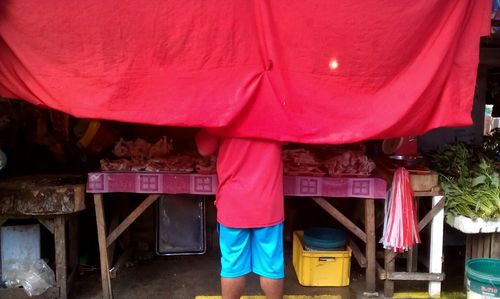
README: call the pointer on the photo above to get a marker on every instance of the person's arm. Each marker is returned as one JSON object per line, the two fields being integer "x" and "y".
{"x": 206, "y": 142}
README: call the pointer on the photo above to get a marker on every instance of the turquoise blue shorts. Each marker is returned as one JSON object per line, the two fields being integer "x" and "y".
{"x": 258, "y": 250}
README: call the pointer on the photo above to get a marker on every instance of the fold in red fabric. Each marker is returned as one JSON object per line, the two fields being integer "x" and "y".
{"x": 305, "y": 71}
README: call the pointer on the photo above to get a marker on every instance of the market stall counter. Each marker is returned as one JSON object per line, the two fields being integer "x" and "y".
{"x": 53, "y": 200}
{"x": 153, "y": 184}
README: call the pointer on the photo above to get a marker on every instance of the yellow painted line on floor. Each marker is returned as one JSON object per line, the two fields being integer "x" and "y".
{"x": 285, "y": 297}
{"x": 421, "y": 295}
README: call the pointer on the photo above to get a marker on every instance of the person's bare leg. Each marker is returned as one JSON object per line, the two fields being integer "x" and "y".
{"x": 232, "y": 288}
{"x": 272, "y": 288}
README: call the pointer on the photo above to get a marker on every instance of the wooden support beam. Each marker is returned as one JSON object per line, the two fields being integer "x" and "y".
{"x": 381, "y": 272}
{"x": 103, "y": 253}
{"x": 48, "y": 223}
{"x": 358, "y": 255}
{"x": 389, "y": 266}
{"x": 415, "y": 276}
{"x": 495, "y": 245}
{"x": 340, "y": 217}
{"x": 412, "y": 259}
{"x": 431, "y": 214}
{"x": 371, "y": 244}
{"x": 487, "y": 245}
{"x": 61, "y": 256}
{"x": 130, "y": 219}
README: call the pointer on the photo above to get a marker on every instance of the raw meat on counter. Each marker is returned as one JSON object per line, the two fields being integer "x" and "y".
{"x": 349, "y": 163}
{"x": 185, "y": 163}
{"x": 141, "y": 149}
{"x": 301, "y": 162}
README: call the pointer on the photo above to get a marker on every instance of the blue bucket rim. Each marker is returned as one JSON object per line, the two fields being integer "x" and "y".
{"x": 480, "y": 276}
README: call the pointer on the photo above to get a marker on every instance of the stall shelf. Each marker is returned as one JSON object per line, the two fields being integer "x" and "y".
{"x": 154, "y": 184}
{"x": 53, "y": 200}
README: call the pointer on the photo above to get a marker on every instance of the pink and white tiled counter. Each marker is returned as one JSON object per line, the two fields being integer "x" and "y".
{"x": 192, "y": 183}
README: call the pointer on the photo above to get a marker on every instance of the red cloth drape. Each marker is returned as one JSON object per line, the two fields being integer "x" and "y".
{"x": 307, "y": 71}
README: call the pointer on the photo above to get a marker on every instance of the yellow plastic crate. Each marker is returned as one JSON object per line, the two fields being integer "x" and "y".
{"x": 320, "y": 268}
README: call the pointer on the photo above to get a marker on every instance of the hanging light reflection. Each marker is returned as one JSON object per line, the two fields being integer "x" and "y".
{"x": 334, "y": 64}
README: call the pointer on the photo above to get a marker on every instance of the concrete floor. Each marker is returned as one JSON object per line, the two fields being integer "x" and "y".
{"x": 183, "y": 277}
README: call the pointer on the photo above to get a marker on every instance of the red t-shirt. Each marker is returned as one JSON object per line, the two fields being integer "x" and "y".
{"x": 250, "y": 174}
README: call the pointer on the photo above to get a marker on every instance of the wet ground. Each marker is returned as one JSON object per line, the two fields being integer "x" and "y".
{"x": 182, "y": 277}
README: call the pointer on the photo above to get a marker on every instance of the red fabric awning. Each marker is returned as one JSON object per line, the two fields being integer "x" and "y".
{"x": 306, "y": 71}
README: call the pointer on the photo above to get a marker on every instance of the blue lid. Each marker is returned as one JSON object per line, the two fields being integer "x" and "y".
{"x": 324, "y": 238}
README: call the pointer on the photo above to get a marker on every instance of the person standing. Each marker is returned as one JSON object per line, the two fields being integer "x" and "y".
{"x": 250, "y": 211}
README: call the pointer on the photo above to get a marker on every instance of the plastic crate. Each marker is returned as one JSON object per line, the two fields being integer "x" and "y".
{"x": 320, "y": 268}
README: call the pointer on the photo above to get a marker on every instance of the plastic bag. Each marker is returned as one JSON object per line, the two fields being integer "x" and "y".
{"x": 34, "y": 276}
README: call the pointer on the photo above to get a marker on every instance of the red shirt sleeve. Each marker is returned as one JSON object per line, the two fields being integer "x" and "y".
{"x": 206, "y": 142}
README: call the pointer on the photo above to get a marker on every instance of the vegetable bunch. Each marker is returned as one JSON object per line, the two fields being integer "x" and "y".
{"x": 470, "y": 181}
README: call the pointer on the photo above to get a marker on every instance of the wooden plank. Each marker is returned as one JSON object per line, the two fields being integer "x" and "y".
{"x": 424, "y": 182}
{"x": 61, "y": 258}
{"x": 48, "y": 223}
{"x": 103, "y": 253}
{"x": 358, "y": 255}
{"x": 389, "y": 266}
{"x": 436, "y": 247}
{"x": 474, "y": 247}
{"x": 431, "y": 214}
{"x": 42, "y": 195}
{"x": 340, "y": 217}
{"x": 480, "y": 245}
{"x": 131, "y": 218}
{"x": 370, "y": 248}
{"x": 411, "y": 259}
{"x": 495, "y": 245}
{"x": 433, "y": 192}
{"x": 18, "y": 293}
{"x": 415, "y": 276}
{"x": 487, "y": 245}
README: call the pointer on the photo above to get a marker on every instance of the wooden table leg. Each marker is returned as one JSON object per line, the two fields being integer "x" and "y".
{"x": 103, "y": 252}
{"x": 412, "y": 259}
{"x": 436, "y": 250}
{"x": 61, "y": 259}
{"x": 390, "y": 267}
{"x": 371, "y": 287}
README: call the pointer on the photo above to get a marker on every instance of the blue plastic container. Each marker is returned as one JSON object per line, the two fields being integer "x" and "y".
{"x": 324, "y": 238}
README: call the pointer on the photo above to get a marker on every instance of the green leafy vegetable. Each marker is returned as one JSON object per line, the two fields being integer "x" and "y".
{"x": 470, "y": 181}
